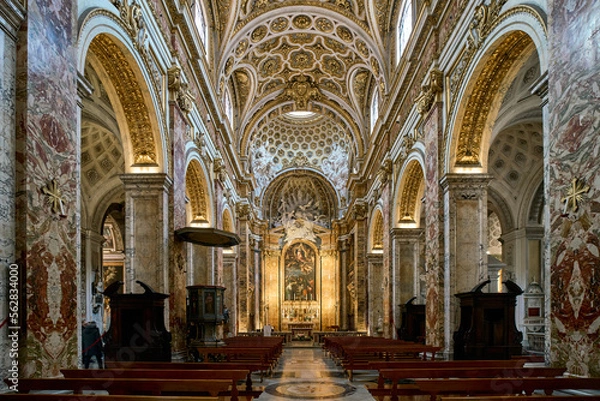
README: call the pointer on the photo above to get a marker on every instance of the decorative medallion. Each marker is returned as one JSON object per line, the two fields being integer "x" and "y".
{"x": 309, "y": 390}
{"x": 301, "y": 90}
{"x": 345, "y": 34}
{"x": 324, "y": 25}
{"x": 259, "y": 33}
{"x": 574, "y": 195}
{"x": 54, "y": 198}
{"x": 302, "y": 21}
{"x": 279, "y": 24}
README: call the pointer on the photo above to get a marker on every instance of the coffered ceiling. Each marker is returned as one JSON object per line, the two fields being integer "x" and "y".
{"x": 282, "y": 56}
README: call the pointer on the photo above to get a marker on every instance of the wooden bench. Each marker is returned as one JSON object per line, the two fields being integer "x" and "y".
{"x": 95, "y": 397}
{"x": 361, "y": 358}
{"x": 401, "y": 386}
{"x": 535, "y": 397}
{"x": 503, "y": 385}
{"x": 249, "y": 366}
{"x": 234, "y": 375}
{"x": 132, "y": 386}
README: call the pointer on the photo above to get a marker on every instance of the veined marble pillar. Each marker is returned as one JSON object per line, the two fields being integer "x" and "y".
{"x": 147, "y": 231}
{"x": 48, "y": 186}
{"x": 465, "y": 242}
{"x": 434, "y": 233}
{"x": 229, "y": 282}
{"x": 360, "y": 269}
{"x": 342, "y": 304}
{"x": 375, "y": 294}
{"x": 573, "y": 164}
{"x": 12, "y": 17}
{"x": 406, "y": 273}
{"x": 244, "y": 278}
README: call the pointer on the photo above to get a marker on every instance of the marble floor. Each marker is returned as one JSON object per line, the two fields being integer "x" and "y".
{"x": 304, "y": 372}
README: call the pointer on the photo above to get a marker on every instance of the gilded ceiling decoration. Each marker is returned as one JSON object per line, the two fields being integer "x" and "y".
{"x": 319, "y": 56}
{"x": 484, "y": 91}
{"x": 132, "y": 99}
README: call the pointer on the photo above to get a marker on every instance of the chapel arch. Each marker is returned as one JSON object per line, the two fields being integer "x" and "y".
{"x": 409, "y": 194}
{"x": 197, "y": 192}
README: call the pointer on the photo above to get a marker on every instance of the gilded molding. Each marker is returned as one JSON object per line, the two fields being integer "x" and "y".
{"x": 377, "y": 232}
{"x": 196, "y": 189}
{"x": 480, "y": 100}
{"x": 359, "y": 210}
{"x": 243, "y": 211}
{"x": 131, "y": 97}
{"x": 410, "y": 191}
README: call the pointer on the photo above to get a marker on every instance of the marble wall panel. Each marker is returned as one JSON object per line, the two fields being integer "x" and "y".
{"x": 7, "y": 182}
{"x": 574, "y": 144}
{"x": 47, "y": 154}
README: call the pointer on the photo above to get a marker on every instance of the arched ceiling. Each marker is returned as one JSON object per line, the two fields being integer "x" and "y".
{"x": 281, "y": 56}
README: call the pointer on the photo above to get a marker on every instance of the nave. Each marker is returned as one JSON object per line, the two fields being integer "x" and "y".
{"x": 305, "y": 372}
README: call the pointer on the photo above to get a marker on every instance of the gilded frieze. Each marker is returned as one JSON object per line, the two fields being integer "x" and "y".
{"x": 131, "y": 97}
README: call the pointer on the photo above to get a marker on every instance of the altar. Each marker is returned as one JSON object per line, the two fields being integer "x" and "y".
{"x": 301, "y": 329}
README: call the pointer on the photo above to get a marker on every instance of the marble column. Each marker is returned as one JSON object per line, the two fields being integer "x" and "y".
{"x": 573, "y": 164}
{"x": 407, "y": 251}
{"x": 229, "y": 282}
{"x": 434, "y": 233}
{"x": 244, "y": 277}
{"x": 342, "y": 303}
{"x": 375, "y": 294}
{"x": 178, "y": 127}
{"x": 465, "y": 242}
{"x": 147, "y": 231}
{"x": 48, "y": 237}
{"x": 12, "y": 17}
{"x": 360, "y": 268}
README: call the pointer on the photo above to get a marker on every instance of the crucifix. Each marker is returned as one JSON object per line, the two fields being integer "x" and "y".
{"x": 54, "y": 197}
{"x": 574, "y": 195}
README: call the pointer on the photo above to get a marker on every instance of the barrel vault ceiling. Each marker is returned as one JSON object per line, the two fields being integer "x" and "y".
{"x": 322, "y": 57}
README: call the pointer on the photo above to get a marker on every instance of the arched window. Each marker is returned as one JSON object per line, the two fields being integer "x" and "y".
{"x": 201, "y": 25}
{"x": 374, "y": 108}
{"x": 405, "y": 26}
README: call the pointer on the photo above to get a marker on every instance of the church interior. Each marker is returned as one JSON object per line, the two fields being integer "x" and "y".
{"x": 325, "y": 166}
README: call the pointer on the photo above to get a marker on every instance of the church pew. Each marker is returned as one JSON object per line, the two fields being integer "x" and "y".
{"x": 360, "y": 358}
{"x": 234, "y": 375}
{"x": 95, "y": 397}
{"x": 534, "y": 397}
{"x": 398, "y": 377}
{"x": 131, "y": 386}
{"x": 503, "y": 385}
{"x": 264, "y": 356}
{"x": 252, "y": 367}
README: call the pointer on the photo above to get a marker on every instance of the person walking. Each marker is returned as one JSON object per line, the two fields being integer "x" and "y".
{"x": 92, "y": 344}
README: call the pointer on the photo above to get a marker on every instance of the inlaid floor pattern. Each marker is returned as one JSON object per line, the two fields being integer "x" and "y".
{"x": 306, "y": 373}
